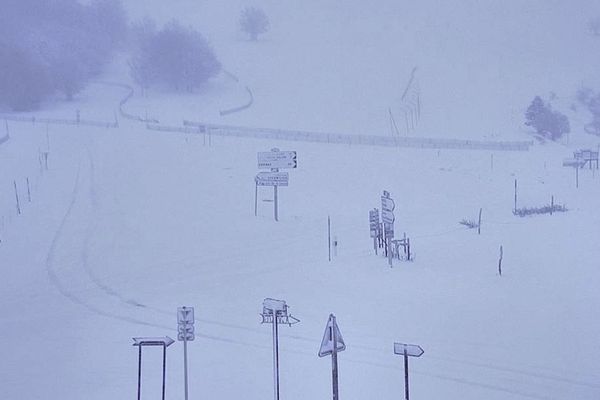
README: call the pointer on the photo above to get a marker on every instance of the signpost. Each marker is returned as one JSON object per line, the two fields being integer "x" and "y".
{"x": 387, "y": 215}
{"x": 165, "y": 342}
{"x": 332, "y": 343}
{"x": 407, "y": 350}
{"x": 185, "y": 333}
{"x": 276, "y": 312}
{"x": 374, "y": 227}
{"x": 273, "y": 160}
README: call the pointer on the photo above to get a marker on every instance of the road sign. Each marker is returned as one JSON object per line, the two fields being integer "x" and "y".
{"x": 387, "y": 204}
{"x": 153, "y": 341}
{"x": 277, "y": 159}
{"x": 272, "y": 179}
{"x": 388, "y": 217}
{"x": 185, "y": 315}
{"x": 328, "y": 337}
{"x": 412, "y": 350}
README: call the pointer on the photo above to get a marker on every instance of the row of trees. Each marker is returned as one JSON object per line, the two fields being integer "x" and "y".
{"x": 54, "y": 47}
{"x": 59, "y": 46}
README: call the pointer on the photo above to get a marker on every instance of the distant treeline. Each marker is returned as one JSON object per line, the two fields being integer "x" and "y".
{"x": 56, "y": 47}
{"x": 50, "y": 47}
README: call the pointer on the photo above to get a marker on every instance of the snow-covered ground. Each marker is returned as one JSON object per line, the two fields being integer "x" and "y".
{"x": 127, "y": 224}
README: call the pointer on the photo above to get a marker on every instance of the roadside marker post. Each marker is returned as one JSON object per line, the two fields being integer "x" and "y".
{"x": 387, "y": 215}
{"x": 407, "y": 350}
{"x": 276, "y": 312}
{"x": 332, "y": 343}
{"x": 165, "y": 342}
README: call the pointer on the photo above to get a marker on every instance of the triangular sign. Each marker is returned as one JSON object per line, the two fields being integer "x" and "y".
{"x": 331, "y": 330}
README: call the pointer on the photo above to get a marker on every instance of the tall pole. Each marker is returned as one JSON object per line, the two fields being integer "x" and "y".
{"x": 17, "y": 197}
{"x": 164, "y": 367}
{"x": 405, "y": 374}
{"x": 334, "y": 363}
{"x": 255, "y": 197}
{"x": 275, "y": 356}
{"x": 185, "y": 363}
{"x": 139, "y": 372}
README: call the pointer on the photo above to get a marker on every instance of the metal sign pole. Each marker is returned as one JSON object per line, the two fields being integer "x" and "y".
{"x": 334, "y": 362}
{"x": 275, "y": 203}
{"x": 164, "y": 367}
{"x": 255, "y": 197}
{"x": 275, "y": 356}
{"x": 185, "y": 369}
{"x": 329, "y": 236}
{"x": 139, "y": 372}
{"x": 405, "y": 374}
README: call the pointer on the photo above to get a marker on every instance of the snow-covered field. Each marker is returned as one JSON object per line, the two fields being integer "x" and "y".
{"x": 127, "y": 224}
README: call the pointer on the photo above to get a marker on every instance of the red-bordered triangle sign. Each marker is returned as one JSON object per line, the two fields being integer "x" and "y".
{"x": 331, "y": 330}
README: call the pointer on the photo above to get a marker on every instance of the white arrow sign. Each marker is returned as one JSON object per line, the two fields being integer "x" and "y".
{"x": 327, "y": 343}
{"x": 412, "y": 350}
{"x": 388, "y": 217}
{"x": 277, "y": 159}
{"x": 272, "y": 179}
{"x": 387, "y": 204}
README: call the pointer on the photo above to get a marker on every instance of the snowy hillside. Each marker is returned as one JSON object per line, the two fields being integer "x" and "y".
{"x": 128, "y": 224}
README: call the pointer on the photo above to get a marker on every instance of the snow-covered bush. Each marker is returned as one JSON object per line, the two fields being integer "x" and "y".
{"x": 178, "y": 57}
{"x": 546, "y": 122}
{"x": 254, "y": 22}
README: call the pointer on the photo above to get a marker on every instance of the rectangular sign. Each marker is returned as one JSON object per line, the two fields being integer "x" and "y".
{"x": 277, "y": 159}
{"x": 388, "y": 217}
{"x": 412, "y": 350}
{"x": 272, "y": 179}
{"x": 185, "y": 315}
{"x": 387, "y": 204}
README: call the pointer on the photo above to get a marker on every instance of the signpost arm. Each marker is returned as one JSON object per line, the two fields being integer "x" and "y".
{"x": 405, "y": 374}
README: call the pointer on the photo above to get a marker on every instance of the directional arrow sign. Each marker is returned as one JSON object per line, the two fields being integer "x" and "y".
{"x": 387, "y": 204}
{"x": 153, "y": 341}
{"x": 412, "y": 350}
{"x": 327, "y": 343}
{"x": 272, "y": 179}
{"x": 277, "y": 159}
{"x": 388, "y": 216}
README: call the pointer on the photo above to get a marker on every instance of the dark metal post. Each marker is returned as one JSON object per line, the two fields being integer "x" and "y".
{"x": 275, "y": 355}
{"x": 479, "y": 223}
{"x": 139, "y": 372}
{"x": 28, "y": 191}
{"x": 17, "y": 197}
{"x": 515, "y": 196}
{"x": 275, "y": 208}
{"x": 255, "y": 197}
{"x": 185, "y": 370}
{"x": 405, "y": 374}
{"x": 329, "y": 235}
{"x": 334, "y": 362}
{"x": 164, "y": 378}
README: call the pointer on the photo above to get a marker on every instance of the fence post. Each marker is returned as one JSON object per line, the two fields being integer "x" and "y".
{"x": 17, "y": 197}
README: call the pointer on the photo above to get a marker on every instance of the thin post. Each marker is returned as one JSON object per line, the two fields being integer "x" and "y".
{"x": 515, "y": 209}
{"x": 408, "y": 245}
{"x": 275, "y": 356}
{"x": 28, "y": 190}
{"x": 275, "y": 205}
{"x": 500, "y": 261}
{"x": 552, "y": 205}
{"x": 164, "y": 368}
{"x": 577, "y": 176}
{"x": 334, "y": 362}
{"x": 406, "y": 395}
{"x": 255, "y": 198}
{"x": 479, "y": 222}
{"x": 185, "y": 363}
{"x": 329, "y": 235}
{"x": 139, "y": 372}
{"x": 17, "y": 197}
{"x": 389, "y": 241}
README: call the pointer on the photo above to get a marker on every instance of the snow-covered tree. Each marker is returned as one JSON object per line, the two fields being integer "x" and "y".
{"x": 547, "y": 122}
{"x": 178, "y": 57}
{"x": 254, "y": 22}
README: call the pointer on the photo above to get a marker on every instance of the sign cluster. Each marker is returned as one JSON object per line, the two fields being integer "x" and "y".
{"x": 185, "y": 323}
{"x": 273, "y": 160}
{"x": 382, "y": 230}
